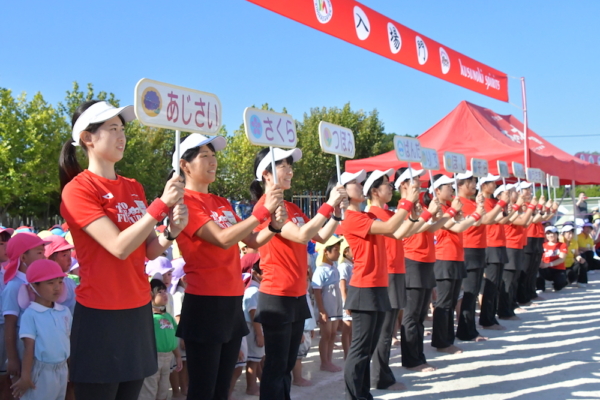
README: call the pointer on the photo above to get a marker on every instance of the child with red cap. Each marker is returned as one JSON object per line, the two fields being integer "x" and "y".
{"x": 22, "y": 250}
{"x": 59, "y": 251}
{"x": 45, "y": 329}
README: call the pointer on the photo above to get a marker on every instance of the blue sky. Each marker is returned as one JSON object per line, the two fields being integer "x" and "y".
{"x": 248, "y": 55}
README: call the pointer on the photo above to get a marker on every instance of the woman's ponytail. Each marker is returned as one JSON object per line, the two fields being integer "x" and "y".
{"x": 68, "y": 166}
{"x": 256, "y": 190}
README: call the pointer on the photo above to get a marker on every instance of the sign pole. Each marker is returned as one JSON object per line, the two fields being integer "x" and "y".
{"x": 273, "y": 165}
{"x": 339, "y": 176}
{"x": 410, "y": 173}
{"x": 548, "y": 186}
{"x": 431, "y": 180}
{"x": 177, "y": 151}
{"x": 519, "y": 183}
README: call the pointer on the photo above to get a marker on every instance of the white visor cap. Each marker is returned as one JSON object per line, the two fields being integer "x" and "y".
{"x": 197, "y": 140}
{"x": 374, "y": 176}
{"x": 349, "y": 177}
{"x": 503, "y": 188}
{"x": 406, "y": 176}
{"x": 279, "y": 155}
{"x": 442, "y": 180}
{"x": 99, "y": 112}
{"x": 486, "y": 179}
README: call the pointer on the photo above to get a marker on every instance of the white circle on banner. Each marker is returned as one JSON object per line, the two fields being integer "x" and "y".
{"x": 324, "y": 10}
{"x": 361, "y": 23}
{"x": 394, "y": 38}
{"x": 444, "y": 61}
{"x": 422, "y": 54}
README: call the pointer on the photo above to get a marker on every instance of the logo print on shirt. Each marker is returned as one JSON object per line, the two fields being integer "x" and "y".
{"x": 298, "y": 221}
{"x": 165, "y": 324}
{"x": 108, "y": 196}
{"x": 221, "y": 220}
{"x": 128, "y": 214}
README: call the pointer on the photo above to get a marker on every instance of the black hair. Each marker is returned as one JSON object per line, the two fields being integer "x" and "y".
{"x": 256, "y": 189}
{"x": 189, "y": 156}
{"x": 256, "y": 267}
{"x": 156, "y": 285}
{"x": 68, "y": 166}
{"x": 4, "y": 236}
{"x": 332, "y": 183}
{"x": 461, "y": 182}
{"x": 378, "y": 182}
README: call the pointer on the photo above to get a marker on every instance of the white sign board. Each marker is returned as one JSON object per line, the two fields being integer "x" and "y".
{"x": 455, "y": 162}
{"x": 268, "y": 128}
{"x": 163, "y": 105}
{"x": 503, "y": 169}
{"x": 430, "y": 160}
{"x": 479, "y": 167}
{"x": 554, "y": 182}
{"x": 518, "y": 170}
{"x": 536, "y": 175}
{"x": 335, "y": 139}
{"x": 407, "y": 149}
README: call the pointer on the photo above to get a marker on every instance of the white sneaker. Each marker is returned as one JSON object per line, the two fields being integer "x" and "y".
{"x": 582, "y": 285}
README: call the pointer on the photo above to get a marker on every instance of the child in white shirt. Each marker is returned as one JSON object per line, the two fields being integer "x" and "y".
{"x": 45, "y": 329}
{"x": 345, "y": 267}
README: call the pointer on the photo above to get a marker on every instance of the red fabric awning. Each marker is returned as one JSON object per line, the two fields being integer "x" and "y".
{"x": 481, "y": 133}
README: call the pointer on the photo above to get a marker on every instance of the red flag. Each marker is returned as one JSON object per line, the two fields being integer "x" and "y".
{"x": 357, "y": 24}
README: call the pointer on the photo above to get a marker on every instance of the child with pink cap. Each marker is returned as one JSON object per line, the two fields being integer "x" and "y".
{"x": 59, "y": 251}
{"x": 22, "y": 250}
{"x": 45, "y": 329}
{"x": 160, "y": 268}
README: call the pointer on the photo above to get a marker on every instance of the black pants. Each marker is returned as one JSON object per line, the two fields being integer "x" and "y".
{"x": 526, "y": 287}
{"x": 467, "y": 329}
{"x": 210, "y": 367}
{"x": 109, "y": 391}
{"x": 558, "y": 277}
{"x": 413, "y": 330}
{"x": 443, "y": 314}
{"x": 489, "y": 301}
{"x": 281, "y": 350}
{"x": 506, "y": 293}
{"x": 366, "y": 329}
{"x": 577, "y": 272}
{"x": 591, "y": 261}
{"x": 383, "y": 377}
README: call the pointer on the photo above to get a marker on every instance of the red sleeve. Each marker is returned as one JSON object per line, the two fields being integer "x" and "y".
{"x": 563, "y": 248}
{"x": 197, "y": 216}
{"x": 81, "y": 204}
{"x": 360, "y": 222}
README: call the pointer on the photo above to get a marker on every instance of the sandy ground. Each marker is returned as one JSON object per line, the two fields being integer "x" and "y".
{"x": 553, "y": 352}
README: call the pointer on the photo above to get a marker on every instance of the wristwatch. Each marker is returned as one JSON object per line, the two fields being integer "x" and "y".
{"x": 167, "y": 234}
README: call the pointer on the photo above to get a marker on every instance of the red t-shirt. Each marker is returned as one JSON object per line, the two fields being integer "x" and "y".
{"x": 551, "y": 252}
{"x": 394, "y": 249}
{"x": 210, "y": 270}
{"x": 420, "y": 247}
{"x": 107, "y": 283}
{"x": 514, "y": 236}
{"x": 495, "y": 232}
{"x": 536, "y": 230}
{"x": 475, "y": 236}
{"x": 449, "y": 246}
{"x": 370, "y": 263}
{"x": 284, "y": 263}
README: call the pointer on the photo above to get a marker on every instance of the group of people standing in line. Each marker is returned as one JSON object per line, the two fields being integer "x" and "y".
{"x": 460, "y": 235}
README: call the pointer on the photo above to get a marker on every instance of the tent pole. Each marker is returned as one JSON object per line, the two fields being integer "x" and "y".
{"x": 574, "y": 201}
{"x": 525, "y": 138}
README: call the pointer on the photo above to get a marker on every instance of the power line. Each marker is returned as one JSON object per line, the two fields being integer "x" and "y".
{"x": 571, "y": 136}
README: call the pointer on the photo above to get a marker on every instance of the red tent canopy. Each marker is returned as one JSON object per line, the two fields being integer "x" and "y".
{"x": 481, "y": 133}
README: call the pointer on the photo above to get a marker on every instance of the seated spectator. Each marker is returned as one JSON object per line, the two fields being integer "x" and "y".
{"x": 552, "y": 267}
{"x": 575, "y": 265}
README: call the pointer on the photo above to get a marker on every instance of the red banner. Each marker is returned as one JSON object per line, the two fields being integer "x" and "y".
{"x": 357, "y": 24}
{"x": 591, "y": 158}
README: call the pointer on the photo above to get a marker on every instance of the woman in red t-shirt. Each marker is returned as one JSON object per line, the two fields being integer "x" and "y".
{"x": 367, "y": 299}
{"x": 514, "y": 233}
{"x": 552, "y": 267}
{"x": 449, "y": 266}
{"x": 212, "y": 321}
{"x": 379, "y": 191}
{"x": 282, "y": 307}
{"x": 475, "y": 243}
{"x": 495, "y": 253}
{"x": 112, "y": 341}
